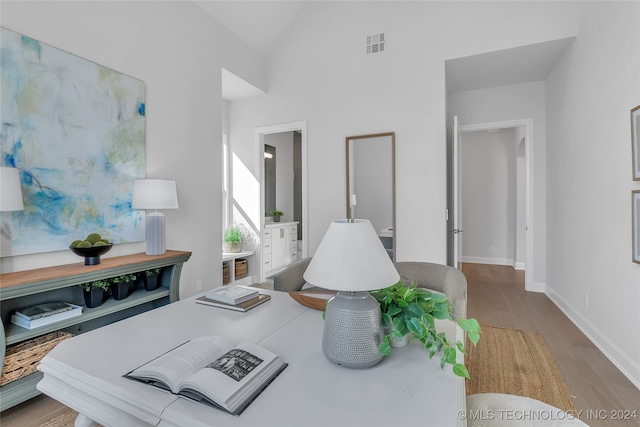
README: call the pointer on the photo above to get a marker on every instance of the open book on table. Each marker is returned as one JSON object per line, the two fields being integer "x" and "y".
{"x": 212, "y": 370}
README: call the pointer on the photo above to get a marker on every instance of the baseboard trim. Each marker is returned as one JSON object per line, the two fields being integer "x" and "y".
{"x": 611, "y": 351}
{"x": 519, "y": 266}
{"x": 536, "y": 287}
{"x": 491, "y": 261}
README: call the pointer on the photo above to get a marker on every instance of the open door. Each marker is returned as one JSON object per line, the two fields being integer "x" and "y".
{"x": 457, "y": 198}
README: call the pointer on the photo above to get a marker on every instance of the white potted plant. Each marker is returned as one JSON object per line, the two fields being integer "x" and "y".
{"x": 410, "y": 310}
{"x": 232, "y": 240}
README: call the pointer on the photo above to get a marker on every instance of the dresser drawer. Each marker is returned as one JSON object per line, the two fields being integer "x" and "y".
{"x": 266, "y": 246}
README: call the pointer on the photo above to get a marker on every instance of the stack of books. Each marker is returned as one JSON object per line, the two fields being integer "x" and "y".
{"x": 45, "y": 314}
{"x": 234, "y": 298}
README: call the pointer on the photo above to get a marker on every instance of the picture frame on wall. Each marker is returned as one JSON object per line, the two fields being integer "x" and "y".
{"x": 635, "y": 219}
{"x": 635, "y": 142}
{"x": 75, "y": 130}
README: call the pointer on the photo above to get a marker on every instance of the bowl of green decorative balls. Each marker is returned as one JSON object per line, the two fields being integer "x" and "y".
{"x": 91, "y": 248}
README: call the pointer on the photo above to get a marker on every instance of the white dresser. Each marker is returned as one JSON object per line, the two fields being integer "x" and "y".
{"x": 279, "y": 246}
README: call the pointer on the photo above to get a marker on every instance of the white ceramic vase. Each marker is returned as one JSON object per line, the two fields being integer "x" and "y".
{"x": 399, "y": 342}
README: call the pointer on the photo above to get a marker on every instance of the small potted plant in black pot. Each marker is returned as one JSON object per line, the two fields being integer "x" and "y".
{"x": 151, "y": 279}
{"x": 120, "y": 286}
{"x": 275, "y": 215}
{"x": 94, "y": 292}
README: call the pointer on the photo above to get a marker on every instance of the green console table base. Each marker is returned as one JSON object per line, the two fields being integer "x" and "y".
{"x": 60, "y": 283}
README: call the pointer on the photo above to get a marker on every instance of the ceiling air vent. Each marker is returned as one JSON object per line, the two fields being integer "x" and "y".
{"x": 376, "y": 43}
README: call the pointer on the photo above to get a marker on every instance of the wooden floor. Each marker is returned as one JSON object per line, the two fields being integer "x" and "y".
{"x": 32, "y": 413}
{"x": 496, "y": 297}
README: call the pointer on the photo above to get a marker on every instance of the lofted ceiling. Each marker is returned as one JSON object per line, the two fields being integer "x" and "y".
{"x": 262, "y": 24}
{"x": 522, "y": 64}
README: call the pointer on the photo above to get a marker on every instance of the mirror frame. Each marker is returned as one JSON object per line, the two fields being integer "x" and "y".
{"x": 392, "y": 135}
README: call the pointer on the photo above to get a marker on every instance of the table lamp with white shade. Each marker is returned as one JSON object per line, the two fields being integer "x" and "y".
{"x": 155, "y": 194}
{"x": 352, "y": 260}
{"x": 10, "y": 190}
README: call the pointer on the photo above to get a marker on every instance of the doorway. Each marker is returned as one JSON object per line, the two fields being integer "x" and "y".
{"x": 527, "y": 190}
{"x": 284, "y": 145}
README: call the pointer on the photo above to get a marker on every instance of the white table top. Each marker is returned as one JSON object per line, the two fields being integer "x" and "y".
{"x": 85, "y": 373}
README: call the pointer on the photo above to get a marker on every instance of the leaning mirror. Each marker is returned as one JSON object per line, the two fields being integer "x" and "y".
{"x": 371, "y": 183}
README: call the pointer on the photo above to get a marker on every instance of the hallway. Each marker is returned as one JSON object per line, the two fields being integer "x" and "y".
{"x": 496, "y": 297}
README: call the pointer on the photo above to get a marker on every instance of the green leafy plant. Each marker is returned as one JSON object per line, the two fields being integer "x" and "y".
{"x": 408, "y": 309}
{"x": 152, "y": 272}
{"x": 125, "y": 278}
{"x": 275, "y": 213}
{"x": 233, "y": 234}
{"x": 103, "y": 284}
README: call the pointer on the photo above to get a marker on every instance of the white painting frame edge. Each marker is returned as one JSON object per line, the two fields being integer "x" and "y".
{"x": 635, "y": 142}
{"x": 635, "y": 225}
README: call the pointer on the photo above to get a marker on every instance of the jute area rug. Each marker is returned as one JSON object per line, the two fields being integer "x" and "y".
{"x": 515, "y": 362}
{"x": 64, "y": 420}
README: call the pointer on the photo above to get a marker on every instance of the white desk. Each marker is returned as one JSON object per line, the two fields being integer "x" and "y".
{"x": 85, "y": 373}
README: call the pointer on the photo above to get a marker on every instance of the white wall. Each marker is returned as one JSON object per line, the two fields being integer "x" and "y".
{"x": 319, "y": 74}
{"x": 178, "y": 52}
{"x": 590, "y": 94}
{"x": 488, "y": 172}
{"x": 515, "y": 102}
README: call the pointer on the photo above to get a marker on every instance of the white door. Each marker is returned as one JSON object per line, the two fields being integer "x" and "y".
{"x": 457, "y": 198}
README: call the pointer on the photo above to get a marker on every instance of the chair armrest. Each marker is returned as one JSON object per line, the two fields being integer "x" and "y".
{"x": 290, "y": 279}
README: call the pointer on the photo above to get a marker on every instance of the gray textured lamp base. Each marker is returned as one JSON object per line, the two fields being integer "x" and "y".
{"x": 155, "y": 233}
{"x": 352, "y": 331}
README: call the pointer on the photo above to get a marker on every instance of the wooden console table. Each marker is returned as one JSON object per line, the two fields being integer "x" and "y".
{"x": 60, "y": 283}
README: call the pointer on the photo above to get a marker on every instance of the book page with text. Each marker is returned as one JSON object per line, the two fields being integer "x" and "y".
{"x": 183, "y": 361}
{"x": 232, "y": 372}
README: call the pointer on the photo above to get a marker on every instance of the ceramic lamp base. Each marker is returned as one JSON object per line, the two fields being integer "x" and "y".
{"x": 352, "y": 331}
{"x": 155, "y": 233}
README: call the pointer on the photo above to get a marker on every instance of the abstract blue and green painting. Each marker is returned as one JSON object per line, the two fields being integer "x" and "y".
{"x": 76, "y": 131}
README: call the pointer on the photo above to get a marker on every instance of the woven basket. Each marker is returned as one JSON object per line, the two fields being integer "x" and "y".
{"x": 22, "y": 359}
{"x": 226, "y": 278}
{"x": 240, "y": 268}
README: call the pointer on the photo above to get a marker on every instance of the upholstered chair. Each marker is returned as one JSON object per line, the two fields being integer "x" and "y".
{"x": 437, "y": 277}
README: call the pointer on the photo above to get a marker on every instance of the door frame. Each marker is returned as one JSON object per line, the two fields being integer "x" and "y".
{"x": 259, "y": 138}
{"x": 457, "y": 196}
{"x": 529, "y": 236}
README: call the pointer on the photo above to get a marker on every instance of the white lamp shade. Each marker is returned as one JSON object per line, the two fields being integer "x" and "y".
{"x": 154, "y": 194}
{"x": 10, "y": 190}
{"x": 351, "y": 257}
